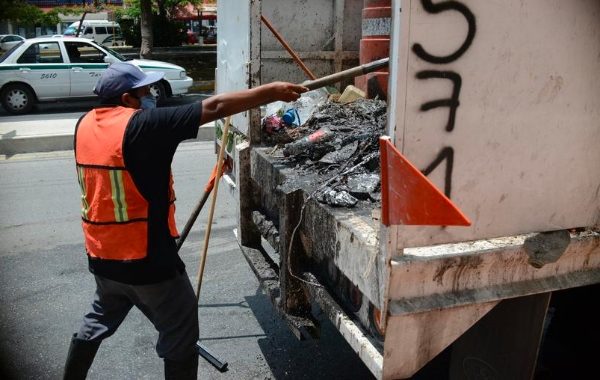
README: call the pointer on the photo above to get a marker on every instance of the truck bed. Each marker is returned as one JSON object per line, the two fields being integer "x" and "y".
{"x": 341, "y": 244}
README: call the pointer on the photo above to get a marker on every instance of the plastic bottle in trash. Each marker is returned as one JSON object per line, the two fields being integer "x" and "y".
{"x": 300, "y": 145}
{"x": 291, "y": 117}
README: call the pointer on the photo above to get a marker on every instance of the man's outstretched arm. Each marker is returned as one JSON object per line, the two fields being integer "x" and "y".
{"x": 230, "y": 103}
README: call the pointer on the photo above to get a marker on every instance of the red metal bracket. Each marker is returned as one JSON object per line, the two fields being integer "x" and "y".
{"x": 408, "y": 197}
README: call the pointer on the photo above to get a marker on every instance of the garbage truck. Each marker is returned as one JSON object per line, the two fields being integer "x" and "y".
{"x": 488, "y": 174}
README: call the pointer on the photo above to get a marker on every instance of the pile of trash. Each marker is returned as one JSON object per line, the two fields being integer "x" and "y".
{"x": 279, "y": 126}
{"x": 340, "y": 143}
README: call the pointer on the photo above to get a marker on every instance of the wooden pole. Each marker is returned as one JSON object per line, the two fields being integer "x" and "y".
{"x": 212, "y": 206}
{"x": 288, "y": 48}
{"x": 346, "y": 74}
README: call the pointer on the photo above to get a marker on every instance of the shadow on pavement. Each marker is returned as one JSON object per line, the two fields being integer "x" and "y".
{"x": 327, "y": 358}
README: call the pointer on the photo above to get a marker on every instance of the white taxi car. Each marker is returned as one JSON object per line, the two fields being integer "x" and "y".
{"x": 59, "y": 68}
{"x": 7, "y": 41}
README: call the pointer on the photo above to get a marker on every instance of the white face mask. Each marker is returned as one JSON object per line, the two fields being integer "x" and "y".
{"x": 148, "y": 101}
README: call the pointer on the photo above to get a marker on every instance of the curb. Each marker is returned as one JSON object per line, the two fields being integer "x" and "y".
{"x": 202, "y": 86}
{"x": 51, "y": 143}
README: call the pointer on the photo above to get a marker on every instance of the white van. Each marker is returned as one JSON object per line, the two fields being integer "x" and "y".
{"x": 97, "y": 30}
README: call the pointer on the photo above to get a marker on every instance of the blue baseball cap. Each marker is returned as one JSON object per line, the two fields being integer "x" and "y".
{"x": 121, "y": 77}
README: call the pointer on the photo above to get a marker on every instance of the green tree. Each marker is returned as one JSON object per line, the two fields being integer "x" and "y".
{"x": 146, "y": 28}
{"x": 156, "y": 15}
{"x": 152, "y": 15}
{"x": 26, "y": 14}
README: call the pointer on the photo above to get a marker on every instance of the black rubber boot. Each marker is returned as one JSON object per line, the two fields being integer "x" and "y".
{"x": 186, "y": 370}
{"x": 80, "y": 358}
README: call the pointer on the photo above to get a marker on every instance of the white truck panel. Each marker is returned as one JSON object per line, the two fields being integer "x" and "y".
{"x": 527, "y": 127}
{"x": 233, "y": 52}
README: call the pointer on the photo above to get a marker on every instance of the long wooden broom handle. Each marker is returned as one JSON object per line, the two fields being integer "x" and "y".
{"x": 212, "y": 205}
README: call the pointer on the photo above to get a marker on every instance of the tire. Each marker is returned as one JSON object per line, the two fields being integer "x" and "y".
{"x": 17, "y": 99}
{"x": 158, "y": 90}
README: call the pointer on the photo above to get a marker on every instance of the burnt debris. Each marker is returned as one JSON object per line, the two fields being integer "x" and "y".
{"x": 340, "y": 144}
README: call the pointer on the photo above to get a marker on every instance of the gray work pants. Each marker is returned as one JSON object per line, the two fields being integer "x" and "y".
{"x": 170, "y": 305}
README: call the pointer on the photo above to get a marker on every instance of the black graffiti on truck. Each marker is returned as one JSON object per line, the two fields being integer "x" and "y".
{"x": 447, "y": 153}
{"x": 451, "y": 102}
{"x": 442, "y": 7}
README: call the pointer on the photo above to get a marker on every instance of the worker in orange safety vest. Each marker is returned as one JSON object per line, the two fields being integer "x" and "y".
{"x": 123, "y": 153}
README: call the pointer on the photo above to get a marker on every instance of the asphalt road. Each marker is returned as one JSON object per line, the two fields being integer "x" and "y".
{"x": 45, "y": 287}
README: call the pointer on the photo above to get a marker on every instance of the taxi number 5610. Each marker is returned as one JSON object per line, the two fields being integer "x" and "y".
{"x": 48, "y": 76}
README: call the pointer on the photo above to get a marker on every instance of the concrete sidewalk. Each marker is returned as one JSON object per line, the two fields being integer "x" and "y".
{"x": 24, "y": 135}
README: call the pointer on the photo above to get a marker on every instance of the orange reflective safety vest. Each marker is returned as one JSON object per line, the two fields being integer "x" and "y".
{"x": 114, "y": 212}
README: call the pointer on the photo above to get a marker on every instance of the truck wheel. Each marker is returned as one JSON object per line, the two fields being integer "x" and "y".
{"x": 158, "y": 90}
{"x": 375, "y": 323}
{"x": 17, "y": 99}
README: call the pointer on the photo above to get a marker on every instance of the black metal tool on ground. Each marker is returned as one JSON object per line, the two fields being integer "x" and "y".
{"x": 202, "y": 351}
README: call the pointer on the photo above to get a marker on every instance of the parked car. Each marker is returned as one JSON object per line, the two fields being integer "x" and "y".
{"x": 59, "y": 68}
{"x": 7, "y": 41}
{"x": 111, "y": 41}
{"x": 97, "y": 30}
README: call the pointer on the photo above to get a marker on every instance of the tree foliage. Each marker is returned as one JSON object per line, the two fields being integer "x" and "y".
{"x": 26, "y": 14}
{"x": 163, "y": 29}
{"x": 116, "y": 10}
{"x": 166, "y": 8}
{"x": 165, "y": 32}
